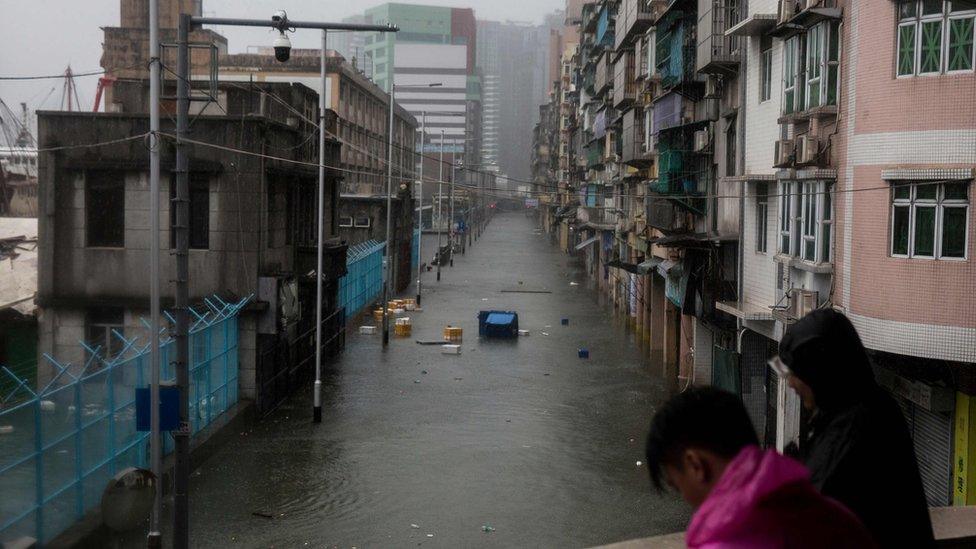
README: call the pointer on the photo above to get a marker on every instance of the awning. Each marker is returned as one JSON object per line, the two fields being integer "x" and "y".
{"x": 754, "y": 25}
{"x": 587, "y": 242}
{"x": 629, "y": 267}
{"x": 645, "y": 268}
{"x": 666, "y": 266}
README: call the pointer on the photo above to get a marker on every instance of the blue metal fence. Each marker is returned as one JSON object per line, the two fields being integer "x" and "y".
{"x": 363, "y": 282}
{"x": 60, "y": 444}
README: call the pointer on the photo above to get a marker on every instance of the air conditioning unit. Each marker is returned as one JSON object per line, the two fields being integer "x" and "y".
{"x": 802, "y": 302}
{"x": 711, "y": 86}
{"x": 808, "y": 150}
{"x": 701, "y": 140}
{"x": 783, "y": 155}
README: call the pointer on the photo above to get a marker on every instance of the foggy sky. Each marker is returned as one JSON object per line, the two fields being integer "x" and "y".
{"x": 40, "y": 37}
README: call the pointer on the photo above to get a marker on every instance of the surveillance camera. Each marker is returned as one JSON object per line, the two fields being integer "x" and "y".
{"x": 279, "y": 16}
{"x": 282, "y": 47}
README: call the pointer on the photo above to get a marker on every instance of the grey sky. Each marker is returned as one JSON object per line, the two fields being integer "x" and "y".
{"x": 44, "y": 36}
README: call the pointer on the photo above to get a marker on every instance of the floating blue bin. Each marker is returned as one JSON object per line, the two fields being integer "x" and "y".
{"x": 584, "y": 353}
{"x": 564, "y": 322}
{"x": 500, "y": 324}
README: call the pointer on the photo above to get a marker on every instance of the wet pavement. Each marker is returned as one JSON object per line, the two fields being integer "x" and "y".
{"x": 420, "y": 448}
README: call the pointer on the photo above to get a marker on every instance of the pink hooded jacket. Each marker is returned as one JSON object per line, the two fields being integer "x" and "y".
{"x": 764, "y": 499}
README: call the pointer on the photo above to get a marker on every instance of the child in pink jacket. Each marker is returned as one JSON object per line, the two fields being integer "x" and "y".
{"x": 703, "y": 444}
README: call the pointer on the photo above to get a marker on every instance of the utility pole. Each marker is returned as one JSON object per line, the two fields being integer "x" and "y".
{"x": 317, "y": 395}
{"x": 280, "y": 22}
{"x": 450, "y": 226}
{"x": 420, "y": 204}
{"x": 387, "y": 255}
{"x": 440, "y": 193}
{"x": 154, "y": 539}
{"x": 181, "y": 500}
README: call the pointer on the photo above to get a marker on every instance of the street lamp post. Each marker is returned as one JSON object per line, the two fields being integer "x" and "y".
{"x": 440, "y": 193}
{"x": 420, "y": 205}
{"x": 387, "y": 255}
{"x": 450, "y": 225}
{"x": 281, "y": 23}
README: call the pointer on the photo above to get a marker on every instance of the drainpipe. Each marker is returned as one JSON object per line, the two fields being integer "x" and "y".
{"x": 740, "y": 136}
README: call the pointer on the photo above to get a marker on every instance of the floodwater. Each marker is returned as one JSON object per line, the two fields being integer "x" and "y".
{"x": 420, "y": 448}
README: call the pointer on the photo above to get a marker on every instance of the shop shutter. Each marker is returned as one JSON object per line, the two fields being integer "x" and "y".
{"x": 932, "y": 438}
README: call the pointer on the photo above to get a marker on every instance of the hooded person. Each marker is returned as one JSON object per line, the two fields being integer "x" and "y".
{"x": 702, "y": 443}
{"x": 858, "y": 448}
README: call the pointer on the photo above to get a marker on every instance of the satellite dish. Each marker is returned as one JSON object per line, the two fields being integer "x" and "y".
{"x": 128, "y": 499}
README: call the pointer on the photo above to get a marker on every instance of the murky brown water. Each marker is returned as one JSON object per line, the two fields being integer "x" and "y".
{"x": 522, "y": 436}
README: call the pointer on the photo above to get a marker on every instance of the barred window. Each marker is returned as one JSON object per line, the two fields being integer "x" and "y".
{"x": 929, "y": 220}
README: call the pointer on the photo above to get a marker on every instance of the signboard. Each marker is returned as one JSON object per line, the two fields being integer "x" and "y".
{"x": 531, "y": 202}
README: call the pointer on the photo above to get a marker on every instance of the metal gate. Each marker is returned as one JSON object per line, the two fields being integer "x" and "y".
{"x": 285, "y": 363}
{"x": 932, "y": 437}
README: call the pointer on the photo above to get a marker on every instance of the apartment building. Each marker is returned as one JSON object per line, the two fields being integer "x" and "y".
{"x": 744, "y": 165}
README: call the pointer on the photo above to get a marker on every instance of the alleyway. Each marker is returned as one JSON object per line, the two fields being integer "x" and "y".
{"x": 522, "y": 436}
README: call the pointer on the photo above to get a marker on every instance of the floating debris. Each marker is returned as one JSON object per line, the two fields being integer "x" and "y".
{"x": 487, "y": 528}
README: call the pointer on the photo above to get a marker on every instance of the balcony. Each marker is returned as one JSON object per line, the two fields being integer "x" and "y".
{"x": 675, "y": 49}
{"x": 624, "y": 81}
{"x": 795, "y": 15}
{"x": 633, "y": 18}
{"x": 597, "y": 217}
{"x": 632, "y": 150}
{"x": 604, "y": 29}
{"x": 603, "y": 77}
{"x": 594, "y": 154}
{"x": 718, "y": 53}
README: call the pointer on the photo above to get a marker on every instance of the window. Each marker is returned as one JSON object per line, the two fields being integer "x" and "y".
{"x": 362, "y": 221}
{"x": 929, "y": 220}
{"x": 811, "y": 65}
{"x": 806, "y": 220}
{"x": 199, "y": 211}
{"x": 766, "y": 75}
{"x": 935, "y": 36}
{"x": 100, "y": 324}
{"x": 105, "y": 208}
{"x": 345, "y": 221}
{"x": 762, "y": 207}
{"x": 791, "y": 76}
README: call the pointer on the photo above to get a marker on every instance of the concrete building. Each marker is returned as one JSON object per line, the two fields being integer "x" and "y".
{"x": 352, "y": 46}
{"x": 435, "y": 45}
{"x": 252, "y": 228}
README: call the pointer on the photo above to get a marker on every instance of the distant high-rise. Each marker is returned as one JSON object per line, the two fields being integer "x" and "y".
{"x": 435, "y": 46}
{"x": 512, "y": 60}
{"x": 352, "y": 46}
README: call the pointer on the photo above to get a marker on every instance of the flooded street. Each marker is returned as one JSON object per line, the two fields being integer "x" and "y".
{"x": 522, "y": 436}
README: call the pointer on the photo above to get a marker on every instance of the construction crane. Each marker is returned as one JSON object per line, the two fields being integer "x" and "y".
{"x": 69, "y": 92}
{"x": 103, "y": 83}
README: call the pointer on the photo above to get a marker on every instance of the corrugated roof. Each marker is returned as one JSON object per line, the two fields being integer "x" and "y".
{"x": 18, "y": 264}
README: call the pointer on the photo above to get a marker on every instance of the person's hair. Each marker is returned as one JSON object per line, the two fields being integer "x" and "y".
{"x": 705, "y": 418}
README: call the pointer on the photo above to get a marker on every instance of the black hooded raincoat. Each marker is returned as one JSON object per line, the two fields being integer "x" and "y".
{"x": 859, "y": 451}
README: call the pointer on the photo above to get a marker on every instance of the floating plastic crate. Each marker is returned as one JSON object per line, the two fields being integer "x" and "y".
{"x": 367, "y": 330}
{"x": 452, "y": 333}
{"x": 584, "y": 353}
{"x": 451, "y": 349}
{"x": 402, "y": 330}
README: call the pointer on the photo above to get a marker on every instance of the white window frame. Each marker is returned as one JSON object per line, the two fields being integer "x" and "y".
{"x": 816, "y": 40}
{"x": 950, "y": 17}
{"x": 343, "y": 222}
{"x": 805, "y": 207}
{"x": 944, "y": 17}
{"x": 791, "y": 58}
{"x": 765, "y": 75}
{"x": 369, "y": 222}
{"x": 762, "y": 219}
{"x": 940, "y": 203}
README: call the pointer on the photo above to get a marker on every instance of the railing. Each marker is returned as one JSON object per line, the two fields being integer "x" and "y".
{"x": 594, "y": 154}
{"x": 633, "y": 18}
{"x": 363, "y": 282}
{"x": 604, "y": 76}
{"x": 717, "y": 53}
{"x": 597, "y": 216}
{"x": 63, "y": 442}
{"x": 624, "y": 81}
{"x": 675, "y": 49}
{"x": 632, "y": 138}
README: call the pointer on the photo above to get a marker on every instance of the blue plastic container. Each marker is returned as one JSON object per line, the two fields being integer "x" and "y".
{"x": 498, "y": 324}
{"x": 584, "y": 353}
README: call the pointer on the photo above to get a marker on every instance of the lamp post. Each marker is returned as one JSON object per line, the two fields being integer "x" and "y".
{"x": 280, "y": 22}
{"x": 440, "y": 192}
{"x": 420, "y": 205}
{"x": 387, "y": 267}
